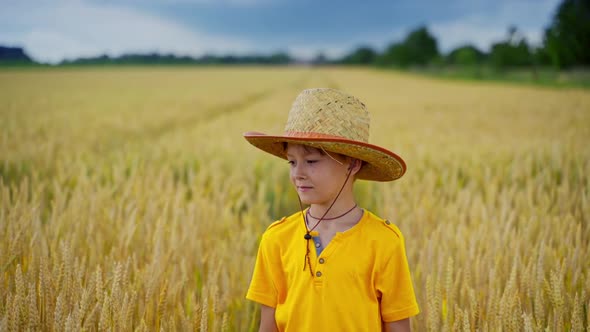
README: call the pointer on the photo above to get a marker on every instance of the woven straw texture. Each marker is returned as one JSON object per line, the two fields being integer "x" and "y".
{"x": 337, "y": 122}
{"x": 331, "y": 112}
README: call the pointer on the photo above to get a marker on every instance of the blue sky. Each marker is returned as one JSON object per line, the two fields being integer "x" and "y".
{"x": 51, "y": 31}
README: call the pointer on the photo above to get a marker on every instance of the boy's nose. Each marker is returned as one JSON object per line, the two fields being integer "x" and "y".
{"x": 298, "y": 172}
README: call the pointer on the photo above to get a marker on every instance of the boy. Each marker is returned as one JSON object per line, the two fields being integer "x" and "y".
{"x": 333, "y": 266}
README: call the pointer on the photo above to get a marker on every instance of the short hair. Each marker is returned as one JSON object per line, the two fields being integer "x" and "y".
{"x": 307, "y": 148}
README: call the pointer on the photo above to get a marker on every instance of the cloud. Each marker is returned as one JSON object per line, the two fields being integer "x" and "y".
{"x": 53, "y": 32}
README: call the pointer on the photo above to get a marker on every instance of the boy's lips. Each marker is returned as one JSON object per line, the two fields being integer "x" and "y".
{"x": 304, "y": 188}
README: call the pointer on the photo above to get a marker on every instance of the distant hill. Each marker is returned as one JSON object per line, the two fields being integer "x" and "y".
{"x": 14, "y": 55}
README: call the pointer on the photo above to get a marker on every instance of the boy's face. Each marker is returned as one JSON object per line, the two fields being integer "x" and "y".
{"x": 316, "y": 175}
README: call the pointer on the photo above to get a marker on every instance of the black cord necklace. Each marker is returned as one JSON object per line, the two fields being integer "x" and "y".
{"x": 333, "y": 218}
{"x": 307, "y": 235}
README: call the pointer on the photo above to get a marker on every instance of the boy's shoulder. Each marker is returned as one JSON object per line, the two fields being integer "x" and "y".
{"x": 384, "y": 225}
{"x": 285, "y": 222}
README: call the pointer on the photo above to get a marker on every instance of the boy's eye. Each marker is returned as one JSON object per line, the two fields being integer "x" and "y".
{"x": 292, "y": 162}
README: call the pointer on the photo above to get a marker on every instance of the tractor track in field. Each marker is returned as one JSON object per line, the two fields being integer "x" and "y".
{"x": 122, "y": 137}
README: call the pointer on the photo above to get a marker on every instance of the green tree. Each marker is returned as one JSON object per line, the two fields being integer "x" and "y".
{"x": 567, "y": 39}
{"x": 467, "y": 55}
{"x": 513, "y": 52}
{"x": 421, "y": 46}
{"x": 360, "y": 56}
{"x": 418, "y": 48}
{"x": 396, "y": 54}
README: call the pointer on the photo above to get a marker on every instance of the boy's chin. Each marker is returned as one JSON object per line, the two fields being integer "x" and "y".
{"x": 308, "y": 200}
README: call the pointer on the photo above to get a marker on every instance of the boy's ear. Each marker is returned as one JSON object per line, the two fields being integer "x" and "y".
{"x": 355, "y": 165}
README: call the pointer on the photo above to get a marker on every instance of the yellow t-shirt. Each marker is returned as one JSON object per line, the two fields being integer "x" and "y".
{"x": 360, "y": 279}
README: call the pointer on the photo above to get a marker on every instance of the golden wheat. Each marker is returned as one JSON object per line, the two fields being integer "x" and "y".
{"x": 130, "y": 202}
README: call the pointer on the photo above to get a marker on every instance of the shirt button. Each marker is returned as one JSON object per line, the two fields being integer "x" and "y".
{"x": 317, "y": 244}
{"x": 322, "y": 261}
{"x": 318, "y": 274}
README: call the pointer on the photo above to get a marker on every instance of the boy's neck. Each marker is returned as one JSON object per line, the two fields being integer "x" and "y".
{"x": 342, "y": 206}
{"x": 340, "y": 224}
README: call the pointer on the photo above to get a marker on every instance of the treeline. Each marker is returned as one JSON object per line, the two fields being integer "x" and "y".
{"x": 420, "y": 49}
{"x": 158, "y": 59}
{"x": 17, "y": 56}
{"x": 566, "y": 43}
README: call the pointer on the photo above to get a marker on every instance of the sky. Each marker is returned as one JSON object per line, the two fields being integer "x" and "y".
{"x": 51, "y": 31}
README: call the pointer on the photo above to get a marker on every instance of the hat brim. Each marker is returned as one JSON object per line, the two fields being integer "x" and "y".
{"x": 380, "y": 164}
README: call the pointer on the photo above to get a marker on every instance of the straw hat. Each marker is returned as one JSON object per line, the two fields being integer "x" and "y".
{"x": 337, "y": 122}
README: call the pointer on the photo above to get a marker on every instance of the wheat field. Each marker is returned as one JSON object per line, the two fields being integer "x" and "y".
{"x": 130, "y": 202}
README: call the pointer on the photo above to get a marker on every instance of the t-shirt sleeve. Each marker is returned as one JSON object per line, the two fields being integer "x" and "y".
{"x": 263, "y": 285}
{"x": 394, "y": 283}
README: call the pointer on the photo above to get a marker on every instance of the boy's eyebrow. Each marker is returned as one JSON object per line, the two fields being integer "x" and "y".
{"x": 305, "y": 153}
